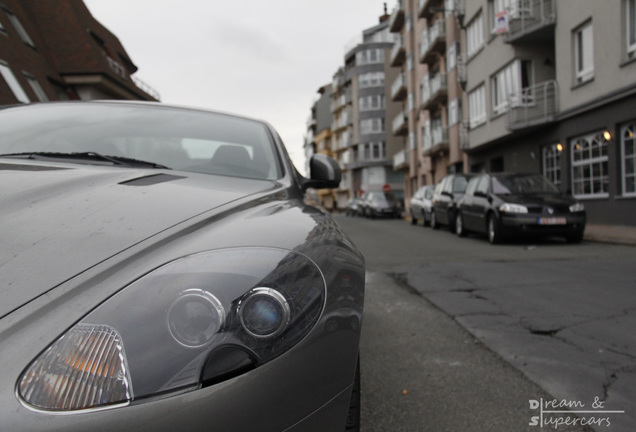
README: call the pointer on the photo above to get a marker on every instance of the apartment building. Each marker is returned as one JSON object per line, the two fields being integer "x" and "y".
{"x": 372, "y": 145}
{"x": 550, "y": 88}
{"x": 360, "y": 138}
{"x": 427, "y": 54}
{"x": 56, "y": 50}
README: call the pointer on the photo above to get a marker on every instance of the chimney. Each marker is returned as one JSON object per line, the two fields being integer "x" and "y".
{"x": 386, "y": 15}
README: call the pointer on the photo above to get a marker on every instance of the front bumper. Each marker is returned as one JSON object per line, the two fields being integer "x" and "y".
{"x": 543, "y": 225}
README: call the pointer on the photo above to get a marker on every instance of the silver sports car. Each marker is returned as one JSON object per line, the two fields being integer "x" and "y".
{"x": 161, "y": 269}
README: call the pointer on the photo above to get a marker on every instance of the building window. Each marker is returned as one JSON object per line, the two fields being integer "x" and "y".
{"x": 36, "y": 87}
{"x": 13, "y": 84}
{"x": 371, "y": 103}
{"x": 371, "y": 79}
{"x": 628, "y": 155}
{"x": 474, "y": 36}
{"x": 552, "y": 163}
{"x": 21, "y": 31}
{"x": 631, "y": 28}
{"x": 584, "y": 53}
{"x": 372, "y": 125}
{"x": 590, "y": 166}
{"x": 506, "y": 85}
{"x": 427, "y": 140}
{"x": 451, "y": 57}
{"x": 370, "y": 56}
{"x": 453, "y": 112}
{"x": 477, "y": 106}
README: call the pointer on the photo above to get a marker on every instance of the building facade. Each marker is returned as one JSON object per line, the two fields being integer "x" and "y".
{"x": 551, "y": 88}
{"x": 372, "y": 146}
{"x": 428, "y": 55}
{"x": 58, "y": 51}
{"x": 522, "y": 86}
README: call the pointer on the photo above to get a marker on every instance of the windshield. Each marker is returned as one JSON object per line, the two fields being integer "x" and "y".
{"x": 180, "y": 139}
{"x": 382, "y": 197}
{"x": 522, "y": 184}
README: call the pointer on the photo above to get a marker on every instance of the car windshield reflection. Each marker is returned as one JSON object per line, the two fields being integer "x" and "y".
{"x": 180, "y": 139}
{"x": 530, "y": 184}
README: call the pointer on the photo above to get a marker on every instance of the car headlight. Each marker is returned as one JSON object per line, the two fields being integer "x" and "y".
{"x": 577, "y": 207}
{"x": 190, "y": 323}
{"x": 513, "y": 208}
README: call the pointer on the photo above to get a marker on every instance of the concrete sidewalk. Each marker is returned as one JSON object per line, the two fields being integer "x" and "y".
{"x": 618, "y": 234}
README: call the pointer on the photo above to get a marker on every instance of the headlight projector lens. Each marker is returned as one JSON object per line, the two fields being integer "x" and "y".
{"x": 195, "y": 317}
{"x": 264, "y": 312}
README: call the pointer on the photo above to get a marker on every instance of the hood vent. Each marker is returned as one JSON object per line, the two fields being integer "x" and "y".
{"x": 151, "y": 180}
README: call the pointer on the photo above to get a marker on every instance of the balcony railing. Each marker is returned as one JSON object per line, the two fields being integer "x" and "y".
{"x": 439, "y": 83}
{"x": 531, "y": 20}
{"x": 401, "y": 160}
{"x": 398, "y": 88}
{"x": 425, "y": 7}
{"x": 433, "y": 42}
{"x": 146, "y": 88}
{"x": 435, "y": 91}
{"x": 439, "y": 136}
{"x": 535, "y": 105}
{"x": 400, "y": 124}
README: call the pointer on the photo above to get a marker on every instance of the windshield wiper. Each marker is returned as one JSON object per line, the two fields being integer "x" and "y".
{"x": 89, "y": 156}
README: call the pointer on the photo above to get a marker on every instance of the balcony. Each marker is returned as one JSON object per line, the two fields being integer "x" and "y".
{"x": 533, "y": 106}
{"x": 439, "y": 139}
{"x": 398, "y": 89}
{"x": 398, "y": 53}
{"x": 338, "y": 103}
{"x": 532, "y": 21}
{"x": 438, "y": 91}
{"x": 427, "y": 8}
{"x": 433, "y": 42}
{"x": 401, "y": 160}
{"x": 400, "y": 124}
{"x": 396, "y": 22}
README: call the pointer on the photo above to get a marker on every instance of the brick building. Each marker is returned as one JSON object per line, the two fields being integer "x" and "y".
{"x": 56, "y": 50}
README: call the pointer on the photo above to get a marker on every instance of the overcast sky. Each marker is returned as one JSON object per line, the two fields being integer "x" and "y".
{"x": 260, "y": 58}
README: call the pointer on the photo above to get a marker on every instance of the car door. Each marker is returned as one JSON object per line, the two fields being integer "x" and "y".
{"x": 466, "y": 205}
{"x": 481, "y": 204}
{"x": 445, "y": 199}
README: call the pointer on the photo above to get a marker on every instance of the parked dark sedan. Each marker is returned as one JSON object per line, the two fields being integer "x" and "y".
{"x": 161, "y": 272}
{"x": 380, "y": 204}
{"x": 503, "y": 205}
{"x": 421, "y": 203}
{"x": 447, "y": 194}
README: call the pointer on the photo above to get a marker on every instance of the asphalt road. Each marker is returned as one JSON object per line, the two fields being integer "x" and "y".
{"x": 460, "y": 335}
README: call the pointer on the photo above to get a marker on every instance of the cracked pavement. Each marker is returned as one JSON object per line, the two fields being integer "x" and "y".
{"x": 570, "y": 331}
{"x": 564, "y": 315}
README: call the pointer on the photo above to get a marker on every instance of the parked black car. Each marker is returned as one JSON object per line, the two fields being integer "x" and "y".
{"x": 503, "y": 205}
{"x": 421, "y": 205}
{"x": 380, "y": 204}
{"x": 447, "y": 194}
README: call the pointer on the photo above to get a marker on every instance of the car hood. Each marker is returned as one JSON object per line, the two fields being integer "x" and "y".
{"x": 539, "y": 199}
{"x": 58, "y": 221}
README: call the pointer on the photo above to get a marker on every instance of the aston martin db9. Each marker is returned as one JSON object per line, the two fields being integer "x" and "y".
{"x": 163, "y": 270}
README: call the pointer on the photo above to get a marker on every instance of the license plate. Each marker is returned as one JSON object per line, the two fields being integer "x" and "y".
{"x": 553, "y": 221}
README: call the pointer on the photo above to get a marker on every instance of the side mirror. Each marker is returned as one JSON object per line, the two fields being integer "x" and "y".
{"x": 324, "y": 173}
